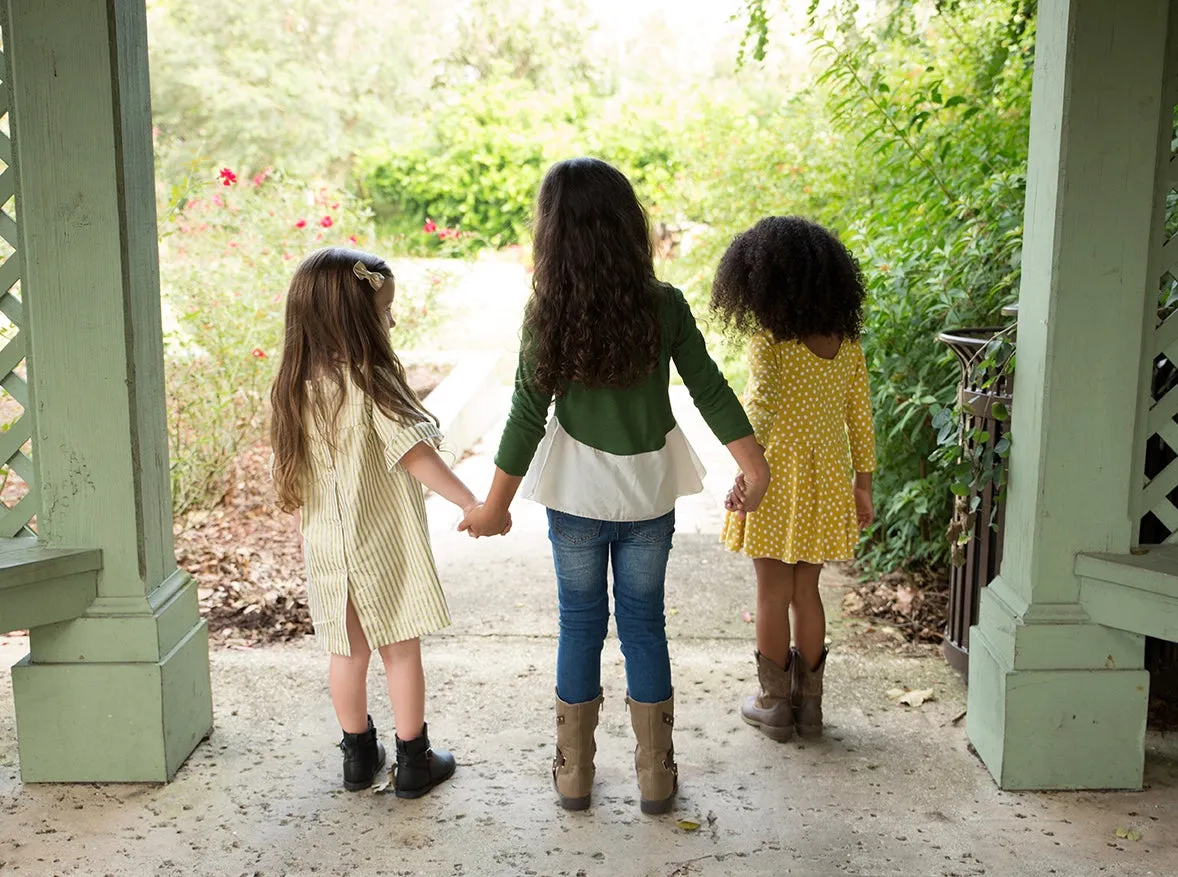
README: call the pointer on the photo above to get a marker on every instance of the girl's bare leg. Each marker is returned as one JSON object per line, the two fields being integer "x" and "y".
{"x": 406, "y": 678}
{"x": 775, "y": 591}
{"x": 809, "y": 618}
{"x": 348, "y": 679}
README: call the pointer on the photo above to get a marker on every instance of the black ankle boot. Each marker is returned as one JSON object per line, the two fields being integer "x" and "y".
{"x": 420, "y": 768}
{"x": 363, "y": 758}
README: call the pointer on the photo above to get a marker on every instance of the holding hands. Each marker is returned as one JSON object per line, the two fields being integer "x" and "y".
{"x": 484, "y": 520}
{"x": 745, "y": 495}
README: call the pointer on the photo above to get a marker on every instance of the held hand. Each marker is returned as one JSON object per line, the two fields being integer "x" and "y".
{"x": 734, "y": 502}
{"x": 745, "y": 495}
{"x": 754, "y": 492}
{"x": 864, "y": 508}
{"x": 483, "y": 521}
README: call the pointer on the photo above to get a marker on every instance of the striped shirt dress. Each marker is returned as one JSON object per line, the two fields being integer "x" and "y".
{"x": 365, "y": 534}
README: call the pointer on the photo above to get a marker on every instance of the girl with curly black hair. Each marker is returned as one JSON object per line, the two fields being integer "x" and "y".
{"x": 793, "y": 287}
{"x": 599, "y": 335}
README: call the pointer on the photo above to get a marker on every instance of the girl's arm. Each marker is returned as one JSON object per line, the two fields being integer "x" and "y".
{"x": 423, "y": 463}
{"x": 525, "y": 429}
{"x": 764, "y": 382}
{"x": 709, "y": 390}
{"x": 718, "y": 404}
{"x": 861, "y": 433}
{"x": 860, "y": 423}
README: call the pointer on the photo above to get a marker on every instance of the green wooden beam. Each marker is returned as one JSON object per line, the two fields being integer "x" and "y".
{"x": 1057, "y": 700}
{"x": 40, "y": 585}
{"x": 122, "y": 692}
{"x": 1136, "y": 592}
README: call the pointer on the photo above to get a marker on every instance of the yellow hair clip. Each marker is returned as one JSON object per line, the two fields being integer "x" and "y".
{"x": 375, "y": 278}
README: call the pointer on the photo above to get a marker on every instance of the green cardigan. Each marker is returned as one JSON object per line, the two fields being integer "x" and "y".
{"x": 634, "y": 420}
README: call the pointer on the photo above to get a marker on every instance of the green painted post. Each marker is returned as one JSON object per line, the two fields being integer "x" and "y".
{"x": 121, "y": 694}
{"x": 1056, "y": 701}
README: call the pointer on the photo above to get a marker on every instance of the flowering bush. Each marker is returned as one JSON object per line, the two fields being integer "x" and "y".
{"x": 227, "y": 252}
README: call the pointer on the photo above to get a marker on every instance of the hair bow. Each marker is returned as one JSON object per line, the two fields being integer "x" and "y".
{"x": 375, "y": 278}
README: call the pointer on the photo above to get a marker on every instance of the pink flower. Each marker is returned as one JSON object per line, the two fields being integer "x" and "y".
{"x": 258, "y": 353}
{"x": 352, "y": 240}
{"x": 430, "y": 226}
{"x": 327, "y": 222}
{"x": 261, "y": 176}
{"x": 302, "y": 223}
{"x": 228, "y": 177}
{"x": 218, "y": 200}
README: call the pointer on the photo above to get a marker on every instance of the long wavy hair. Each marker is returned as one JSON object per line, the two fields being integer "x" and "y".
{"x": 334, "y": 334}
{"x": 593, "y": 316}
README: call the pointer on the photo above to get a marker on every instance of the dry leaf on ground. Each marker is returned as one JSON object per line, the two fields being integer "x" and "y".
{"x": 916, "y": 698}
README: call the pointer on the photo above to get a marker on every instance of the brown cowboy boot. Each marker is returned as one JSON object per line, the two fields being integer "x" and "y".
{"x": 806, "y": 694}
{"x": 572, "y": 769}
{"x": 654, "y": 756}
{"x": 770, "y": 710}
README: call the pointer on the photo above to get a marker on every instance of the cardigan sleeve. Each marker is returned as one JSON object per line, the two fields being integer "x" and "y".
{"x": 709, "y": 390}
{"x": 526, "y": 422}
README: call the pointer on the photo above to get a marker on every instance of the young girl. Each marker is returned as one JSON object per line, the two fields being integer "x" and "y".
{"x": 797, "y": 289}
{"x": 599, "y": 334}
{"x": 352, "y": 448}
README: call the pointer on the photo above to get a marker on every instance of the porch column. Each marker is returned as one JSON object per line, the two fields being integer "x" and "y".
{"x": 1056, "y": 701}
{"x": 121, "y": 694}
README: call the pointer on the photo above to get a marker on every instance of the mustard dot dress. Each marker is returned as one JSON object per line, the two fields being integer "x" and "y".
{"x": 813, "y": 418}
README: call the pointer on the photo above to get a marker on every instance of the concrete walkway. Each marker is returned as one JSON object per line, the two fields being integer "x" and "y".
{"x": 891, "y": 791}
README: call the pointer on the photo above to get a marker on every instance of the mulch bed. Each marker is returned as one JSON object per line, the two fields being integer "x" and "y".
{"x": 247, "y": 560}
{"x": 918, "y": 611}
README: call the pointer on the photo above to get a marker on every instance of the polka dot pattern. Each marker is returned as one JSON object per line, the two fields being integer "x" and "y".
{"x": 813, "y": 417}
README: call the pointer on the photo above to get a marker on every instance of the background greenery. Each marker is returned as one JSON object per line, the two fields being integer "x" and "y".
{"x": 902, "y": 125}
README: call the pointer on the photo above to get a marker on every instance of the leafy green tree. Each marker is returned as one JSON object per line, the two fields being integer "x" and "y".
{"x": 295, "y": 85}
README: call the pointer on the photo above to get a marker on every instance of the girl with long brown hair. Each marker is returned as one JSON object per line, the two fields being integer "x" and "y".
{"x": 599, "y": 335}
{"x": 353, "y": 446}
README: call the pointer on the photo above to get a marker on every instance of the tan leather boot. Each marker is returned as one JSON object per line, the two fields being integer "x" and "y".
{"x": 770, "y": 710}
{"x": 654, "y": 756}
{"x": 572, "y": 769}
{"x": 806, "y": 694}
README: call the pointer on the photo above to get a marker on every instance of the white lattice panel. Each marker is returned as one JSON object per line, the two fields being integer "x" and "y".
{"x": 18, "y": 494}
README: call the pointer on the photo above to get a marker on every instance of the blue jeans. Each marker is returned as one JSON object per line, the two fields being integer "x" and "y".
{"x": 582, "y": 549}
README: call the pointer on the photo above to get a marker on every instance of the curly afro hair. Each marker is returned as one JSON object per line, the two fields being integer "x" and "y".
{"x": 791, "y": 277}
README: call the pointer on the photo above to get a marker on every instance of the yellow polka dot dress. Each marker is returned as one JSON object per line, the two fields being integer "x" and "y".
{"x": 813, "y": 417}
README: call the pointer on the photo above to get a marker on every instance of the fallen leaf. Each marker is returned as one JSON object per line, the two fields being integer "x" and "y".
{"x": 1129, "y": 834}
{"x": 380, "y": 788}
{"x": 916, "y": 698}
{"x": 904, "y": 597}
{"x": 896, "y": 693}
{"x": 672, "y": 611}
{"x": 687, "y": 825}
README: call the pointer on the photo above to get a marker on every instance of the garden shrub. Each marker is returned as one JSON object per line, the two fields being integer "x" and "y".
{"x": 227, "y": 252}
